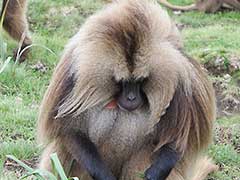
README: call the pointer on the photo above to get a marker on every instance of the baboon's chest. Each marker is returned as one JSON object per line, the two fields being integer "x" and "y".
{"x": 117, "y": 131}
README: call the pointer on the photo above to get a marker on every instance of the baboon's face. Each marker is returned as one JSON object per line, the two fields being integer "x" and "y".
{"x": 131, "y": 95}
{"x": 124, "y": 62}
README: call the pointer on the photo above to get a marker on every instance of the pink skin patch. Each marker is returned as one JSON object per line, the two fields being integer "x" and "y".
{"x": 112, "y": 104}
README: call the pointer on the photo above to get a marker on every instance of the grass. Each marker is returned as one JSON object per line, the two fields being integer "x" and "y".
{"x": 52, "y": 23}
{"x": 40, "y": 174}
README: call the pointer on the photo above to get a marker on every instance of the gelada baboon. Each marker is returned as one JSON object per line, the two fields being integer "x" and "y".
{"x": 126, "y": 100}
{"x": 208, "y": 6}
{"x": 15, "y": 22}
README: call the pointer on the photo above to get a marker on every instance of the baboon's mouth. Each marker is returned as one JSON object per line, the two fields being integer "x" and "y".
{"x": 112, "y": 104}
{"x": 129, "y": 106}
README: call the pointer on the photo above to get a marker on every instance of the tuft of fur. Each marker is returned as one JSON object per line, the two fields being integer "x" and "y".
{"x": 128, "y": 39}
{"x": 203, "y": 167}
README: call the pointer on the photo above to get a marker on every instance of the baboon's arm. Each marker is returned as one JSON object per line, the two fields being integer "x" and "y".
{"x": 86, "y": 154}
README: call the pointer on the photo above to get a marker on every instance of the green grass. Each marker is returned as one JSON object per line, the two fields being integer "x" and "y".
{"x": 226, "y": 149}
{"x": 41, "y": 174}
{"x": 52, "y": 23}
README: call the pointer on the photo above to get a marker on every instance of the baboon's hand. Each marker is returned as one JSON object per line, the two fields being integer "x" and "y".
{"x": 165, "y": 160}
{"x": 154, "y": 174}
{"x": 104, "y": 175}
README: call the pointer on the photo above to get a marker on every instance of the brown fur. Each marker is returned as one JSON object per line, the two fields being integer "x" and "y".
{"x": 15, "y": 22}
{"x": 129, "y": 39}
{"x": 209, "y": 6}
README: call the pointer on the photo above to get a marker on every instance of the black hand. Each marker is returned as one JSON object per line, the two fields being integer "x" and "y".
{"x": 166, "y": 160}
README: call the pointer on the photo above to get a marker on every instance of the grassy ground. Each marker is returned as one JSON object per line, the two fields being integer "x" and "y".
{"x": 52, "y": 22}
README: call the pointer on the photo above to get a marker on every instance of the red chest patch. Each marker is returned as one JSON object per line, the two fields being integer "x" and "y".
{"x": 112, "y": 104}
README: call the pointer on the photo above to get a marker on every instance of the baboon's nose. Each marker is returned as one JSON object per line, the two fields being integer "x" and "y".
{"x": 131, "y": 97}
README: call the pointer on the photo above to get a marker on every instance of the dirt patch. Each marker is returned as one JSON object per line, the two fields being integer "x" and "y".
{"x": 222, "y": 65}
{"x": 39, "y": 66}
{"x": 228, "y": 100}
{"x": 228, "y": 135}
{"x": 225, "y": 72}
{"x": 12, "y": 166}
{"x": 227, "y": 105}
{"x": 223, "y": 135}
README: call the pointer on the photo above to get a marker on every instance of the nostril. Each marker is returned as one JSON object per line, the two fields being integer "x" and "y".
{"x": 131, "y": 97}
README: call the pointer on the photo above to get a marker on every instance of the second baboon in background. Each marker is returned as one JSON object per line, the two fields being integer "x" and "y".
{"x": 208, "y": 6}
{"x": 15, "y": 23}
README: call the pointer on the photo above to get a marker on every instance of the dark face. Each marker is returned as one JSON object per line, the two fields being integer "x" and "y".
{"x": 131, "y": 95}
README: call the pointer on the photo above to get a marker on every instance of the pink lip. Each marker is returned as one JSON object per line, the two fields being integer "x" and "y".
{"x": 112, "y": 104}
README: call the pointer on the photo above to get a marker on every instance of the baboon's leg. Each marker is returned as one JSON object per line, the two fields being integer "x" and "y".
{"x": 77, "y": 171}
{"x": 71, "y": 168}
{"x": 234, "y": 3}
{"x": 193, "y": 169}
{"x": 15, "y": 22}
{"x": 139, "y": 163}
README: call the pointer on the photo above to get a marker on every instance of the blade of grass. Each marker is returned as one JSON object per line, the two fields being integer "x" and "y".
{"x": 20, "y": 45}
{"x": 74, "y": 178}
{"x": 3, "y": 47}
{"x": 19, "y": 53}
{"x": 58, "y": 167}
{"x": 140, "y": 175}
{"x": 32, "y": 174}
{"x": 3, "y": 14}
{"x": 41, "y": 175}
{"x": 5, "y": 64}
{"x": 28, "y": 168}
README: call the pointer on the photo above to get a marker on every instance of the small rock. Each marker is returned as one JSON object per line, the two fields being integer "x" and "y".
{"x": 231, "y": 103}
{"x": 227, "y": 78}
{"x": 180, "y": 26}
{"x": 40, "y": 67}
{"x": 222, "y": 65}
{"x": 177, "y": 12}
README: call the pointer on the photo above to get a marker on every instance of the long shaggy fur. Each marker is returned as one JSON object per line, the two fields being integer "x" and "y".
{"x": 129, "y": 39}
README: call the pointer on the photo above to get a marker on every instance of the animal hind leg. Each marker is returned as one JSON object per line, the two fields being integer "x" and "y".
{"x": 71, "y": 168}
{"x": 15, "y": 23}
{"x": 64, "y": 157}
